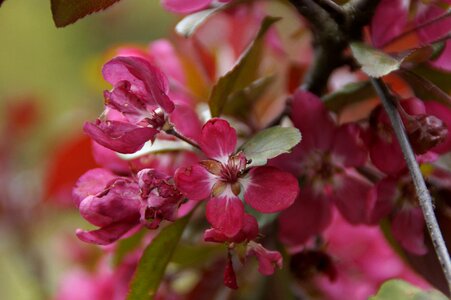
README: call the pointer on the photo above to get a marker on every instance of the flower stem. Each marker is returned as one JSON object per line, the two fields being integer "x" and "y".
{"x": 418, "y": 180}
{"x": 178, "y": 135}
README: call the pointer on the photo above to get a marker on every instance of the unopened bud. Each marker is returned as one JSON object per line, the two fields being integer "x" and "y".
{"x": 425, "y": 132}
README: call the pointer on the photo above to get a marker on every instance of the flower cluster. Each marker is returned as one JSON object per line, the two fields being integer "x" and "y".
{"x": 163, "y": 156}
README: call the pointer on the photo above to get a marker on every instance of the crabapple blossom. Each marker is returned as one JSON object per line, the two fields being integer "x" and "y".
{"x": 325, "y": 162}
{"x": 187, "y": 6}
{"x": 140, "y": 96}
{"x": 225, "y": 176}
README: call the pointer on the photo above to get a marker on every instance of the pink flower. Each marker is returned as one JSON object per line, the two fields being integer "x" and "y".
{"x": 113, "y": 206}
{"x": 394, "y": 197}
{"x": 324, "y": 161}
{"x": 267, "y": 259}
{"x": 117, "y": 204}
{"x": 139, "y": 92}
{"x": 426, "y": 125}
{"x": 186, "y": 6}
{"x": 224, "y": 176}
{"x": 161, "y": 199}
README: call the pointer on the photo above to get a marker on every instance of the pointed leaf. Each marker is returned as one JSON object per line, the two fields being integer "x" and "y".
{"x": 125, "y": 246}
{"x": 66, "y": 12}
{"x": 398, "y": 289}
{"x": 242, "y": 74}
{"x": 270, "y": 143}
{"x": 425, "y": 89}
{"x": 154, "y": 260}
{"x": 374, "y": 63}
{"x": 240, "y": 102}
{"x": 351, "y": 93}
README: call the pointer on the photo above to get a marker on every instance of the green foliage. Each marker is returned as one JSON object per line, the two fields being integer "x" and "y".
{"x": 270, "y": 143}
{"x": 127, "y": 245}
{"x": 374, "y": 62}
{"x": 66, "y": 12}
{"x": 154, "y": 260}
{"x": 401, "y": 290}
{"x": 242, "y": 74}
{"x": 351, "y": 93}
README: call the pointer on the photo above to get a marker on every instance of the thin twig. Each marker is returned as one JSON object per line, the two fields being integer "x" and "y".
{"x": 418, "y": 27}
{"x": 417, "y": 178}
{"x": 180, "y": 136}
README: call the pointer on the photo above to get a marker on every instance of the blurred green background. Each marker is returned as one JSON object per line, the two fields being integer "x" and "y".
{"x": 58, "y": 70}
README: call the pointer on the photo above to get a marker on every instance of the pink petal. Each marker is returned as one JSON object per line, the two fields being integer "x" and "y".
{"x": 226, "y": 214}
{"x": 186, "y": 122}
{"x": 184, "y": 6}
{"x": 352, "y": 198}
{"x": 218, "y": 139}
{"x": 408, "y": 228}
{"x": 348, "y": 148}
{"x": 108, "y": 159}
{"x": 389, "y": 20}
{"x": 119, "y": 202}
{"x": 266, "y": 259}
{"x": 269, "y": 190}
{"x": 308, "y": 112}
{"x": 435, "y": 30}
{"x": 124, "y": 101}
{"x": 166, "y": 57}
{"x": 310, "y": 214}
{"x": 147, "y": 81}
{"x": 105, "y": 235}
{"x": 119, "y": 136}
{"x": 194, "y": 182}
{"x": 92, "y": 182}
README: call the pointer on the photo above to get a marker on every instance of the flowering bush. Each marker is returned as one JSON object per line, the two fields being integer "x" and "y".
{"x": 208, "y": 147}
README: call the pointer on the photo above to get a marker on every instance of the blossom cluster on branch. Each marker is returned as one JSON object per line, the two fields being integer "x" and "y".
{"x": 214, "y": 128}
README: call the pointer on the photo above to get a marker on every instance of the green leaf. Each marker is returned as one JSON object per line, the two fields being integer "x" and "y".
{"x": 188, "y": 25}
{"x": 351, "y": 93}
{"x": 240, "y": 102}
{"x": 154, "y": 260}
{"x": 374, "y": 63}
{"x": 242, "y": 74}
{"x": 401, "y": 290}
{"x": 66, "y": 12}
{"x": 125, "y": 246}
{"x": 424, "y": 88}
{"x": 270, "y": 143}
{"x": 187, "y": 255}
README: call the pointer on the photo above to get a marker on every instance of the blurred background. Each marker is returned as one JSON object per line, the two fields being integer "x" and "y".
{"x": 50, "y": 83}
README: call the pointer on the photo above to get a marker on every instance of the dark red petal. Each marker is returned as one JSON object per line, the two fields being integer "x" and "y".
{"x": 229, "y": 274}
{"x": 408, "y": 229}
{"x": 119, "y": 136}
{"x": 389, "y": 20}
{"x": 218, "y": 139}
{"x": 308, "y": 112}
{"x": 194, "y": 182}
{"x": 186, "y": 122}
{"x": 348, "y": 149}
{"x": 226, "y": 214}
{"x": 268, "y": 189}
{"x": 353, "y": 199}
{"x": 310, "y": 214}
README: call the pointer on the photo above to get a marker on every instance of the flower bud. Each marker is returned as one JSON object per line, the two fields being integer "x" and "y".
{"x": 425, "y": 132}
